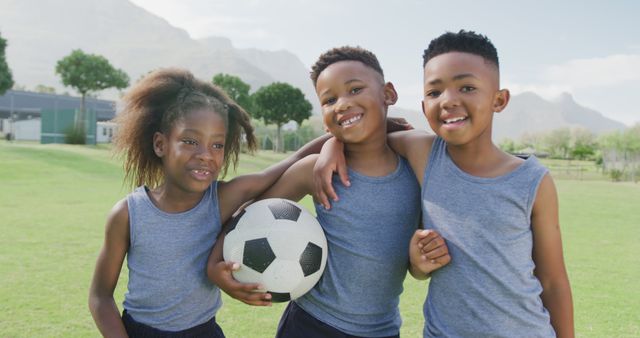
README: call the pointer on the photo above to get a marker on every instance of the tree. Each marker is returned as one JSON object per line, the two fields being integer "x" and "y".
{"x": 583, "y": 143}
{"x": 508, "y": 145}
{"x": 557, "y": 141}
{"x": 6, "y": 79}
{"x": 237, "y": 89}
{"x": 89, "y": 73}
{"x": 279, "y": 103}
{"x": 45, "y": 89}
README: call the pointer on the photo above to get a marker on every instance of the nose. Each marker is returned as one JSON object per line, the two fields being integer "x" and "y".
{"x": 343, "y": 104}
{"x": 204, "y": 153}
{"x": 449, "y": 99}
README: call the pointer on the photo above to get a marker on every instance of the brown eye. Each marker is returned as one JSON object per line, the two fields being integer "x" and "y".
{"x": 329, "y": 101}
{"x": 433, "y": 94}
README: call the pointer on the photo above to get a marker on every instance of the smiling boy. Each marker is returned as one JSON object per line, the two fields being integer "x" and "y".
{"x": 369, "y": 229}
{"x": 497, "y": 212}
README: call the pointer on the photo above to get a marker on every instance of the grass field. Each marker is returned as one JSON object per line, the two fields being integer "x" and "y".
{"x": 54, "y": 200}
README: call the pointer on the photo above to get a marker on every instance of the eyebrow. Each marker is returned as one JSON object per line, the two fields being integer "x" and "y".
{"x": 346, "y": 83}
{"x": 455, "y": 78}
{"x": 195, "y": 131}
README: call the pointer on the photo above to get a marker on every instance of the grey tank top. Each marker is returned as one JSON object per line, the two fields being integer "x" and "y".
{"x": 168, "y": 288}
{"x": 368, "y": 232}
{"x": 488, "y": 289}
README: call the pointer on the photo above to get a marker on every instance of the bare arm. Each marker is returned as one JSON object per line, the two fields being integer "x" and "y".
{"x": 415, "y": 146}
{"x": 247, "y": 187}
{"x": 105, "y": 277}
{"x": 547, "y": 255}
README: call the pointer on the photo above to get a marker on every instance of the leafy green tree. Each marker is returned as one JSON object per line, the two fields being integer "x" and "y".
{"x": 88, "y": 73}
{"x": 558, "y": 142}
{"x": 6, "y": 79}
{"x": 583, "y": 144}
{"x": 237, "y": 89}
{"x": 279, "y": 103}
{"x": 507, "y": 145}
{"x": 45, "y": 89}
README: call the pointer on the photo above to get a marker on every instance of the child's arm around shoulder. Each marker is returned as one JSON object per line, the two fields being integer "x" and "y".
{"x": 105, "y": 277}
{"x": 296, "y": 182}
{"x": 244, "y": 188}
{"x": 548, "y": 258}
{"x": 415, "y": 146}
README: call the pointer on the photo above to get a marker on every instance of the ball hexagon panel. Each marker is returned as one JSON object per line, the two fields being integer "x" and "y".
{"x": 282, "y": 276}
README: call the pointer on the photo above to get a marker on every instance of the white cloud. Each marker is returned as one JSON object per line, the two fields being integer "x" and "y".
{"x": 595, "y": 72}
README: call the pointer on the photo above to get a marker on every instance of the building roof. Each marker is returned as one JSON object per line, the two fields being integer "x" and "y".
{"x": 26, "y": 104}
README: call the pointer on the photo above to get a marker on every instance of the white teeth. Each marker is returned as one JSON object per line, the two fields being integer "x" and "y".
{"x": 455, "y": 119}
{"x": 201, "y": 172}
{"x": 351, "y": 120}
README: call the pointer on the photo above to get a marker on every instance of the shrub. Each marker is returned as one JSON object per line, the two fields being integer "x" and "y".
{"x": 616, "y": 174}
{"x": 73, "y": 135}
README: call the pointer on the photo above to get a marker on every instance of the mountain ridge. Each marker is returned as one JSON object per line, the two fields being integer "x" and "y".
{"x": 40, "y": 33}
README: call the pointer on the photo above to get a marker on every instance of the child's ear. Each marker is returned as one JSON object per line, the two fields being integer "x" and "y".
{"x": 501, "y": 100}
{"x": 159, "y": 141}
{"x": 390, "y": 94}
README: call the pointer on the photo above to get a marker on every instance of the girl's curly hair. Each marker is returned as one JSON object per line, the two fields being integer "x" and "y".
{"x": 155, "y": 103}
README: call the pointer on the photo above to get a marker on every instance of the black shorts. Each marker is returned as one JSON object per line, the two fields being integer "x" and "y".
{"x": 296, "y": 323}
{"x": 209, "y": 329}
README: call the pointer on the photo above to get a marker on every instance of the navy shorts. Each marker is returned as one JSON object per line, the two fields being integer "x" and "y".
{"x": 209, "y": 329}
{"x": 296, "y": 323}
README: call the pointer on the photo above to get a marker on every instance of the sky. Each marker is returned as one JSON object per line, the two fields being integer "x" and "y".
{"x": 589, "y": 49}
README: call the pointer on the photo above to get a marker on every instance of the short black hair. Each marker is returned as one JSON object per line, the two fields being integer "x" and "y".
{"x": 463, "y": 41}
{"x": 345, "y": 53}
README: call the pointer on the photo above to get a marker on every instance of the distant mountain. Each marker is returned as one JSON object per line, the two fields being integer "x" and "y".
{"x": 40, "y": 33}
{"x": 530, "y": 113}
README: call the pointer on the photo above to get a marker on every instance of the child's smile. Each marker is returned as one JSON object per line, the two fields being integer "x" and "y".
{"x": 193, "y": 152}
{"x": 349, "y": 120}
{"x": 459, "y": 96}
{"x": 352, "y": 99}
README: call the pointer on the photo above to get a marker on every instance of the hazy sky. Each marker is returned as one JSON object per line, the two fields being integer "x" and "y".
{"x": 590, "y": 49}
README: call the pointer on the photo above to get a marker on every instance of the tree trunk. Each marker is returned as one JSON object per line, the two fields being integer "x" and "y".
{"x": 81, "y": 114}
{"x": 278, "y": 147}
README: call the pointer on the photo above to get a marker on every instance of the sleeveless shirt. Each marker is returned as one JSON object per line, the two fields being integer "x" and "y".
{"x": 168, "y": 288}
{"x": 368, "y": 232}
{"x": 489, "y": 287}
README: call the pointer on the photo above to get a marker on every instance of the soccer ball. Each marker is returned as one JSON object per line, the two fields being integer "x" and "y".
{"x": 278, "y": 244}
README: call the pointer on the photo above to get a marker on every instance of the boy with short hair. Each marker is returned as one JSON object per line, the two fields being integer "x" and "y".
{"x": 497, "y": 212}
{"x": 368, "y": 231}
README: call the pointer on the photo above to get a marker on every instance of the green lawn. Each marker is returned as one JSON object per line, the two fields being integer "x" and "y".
{"x": 54, "y": 200}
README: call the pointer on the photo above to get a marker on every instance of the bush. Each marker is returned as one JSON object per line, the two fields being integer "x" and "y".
{"x": 73, "y": 135}
{"x": 616, "y": 174}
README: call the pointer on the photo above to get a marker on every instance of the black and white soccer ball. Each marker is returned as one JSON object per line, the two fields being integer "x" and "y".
{"x": 278, "y": 244}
